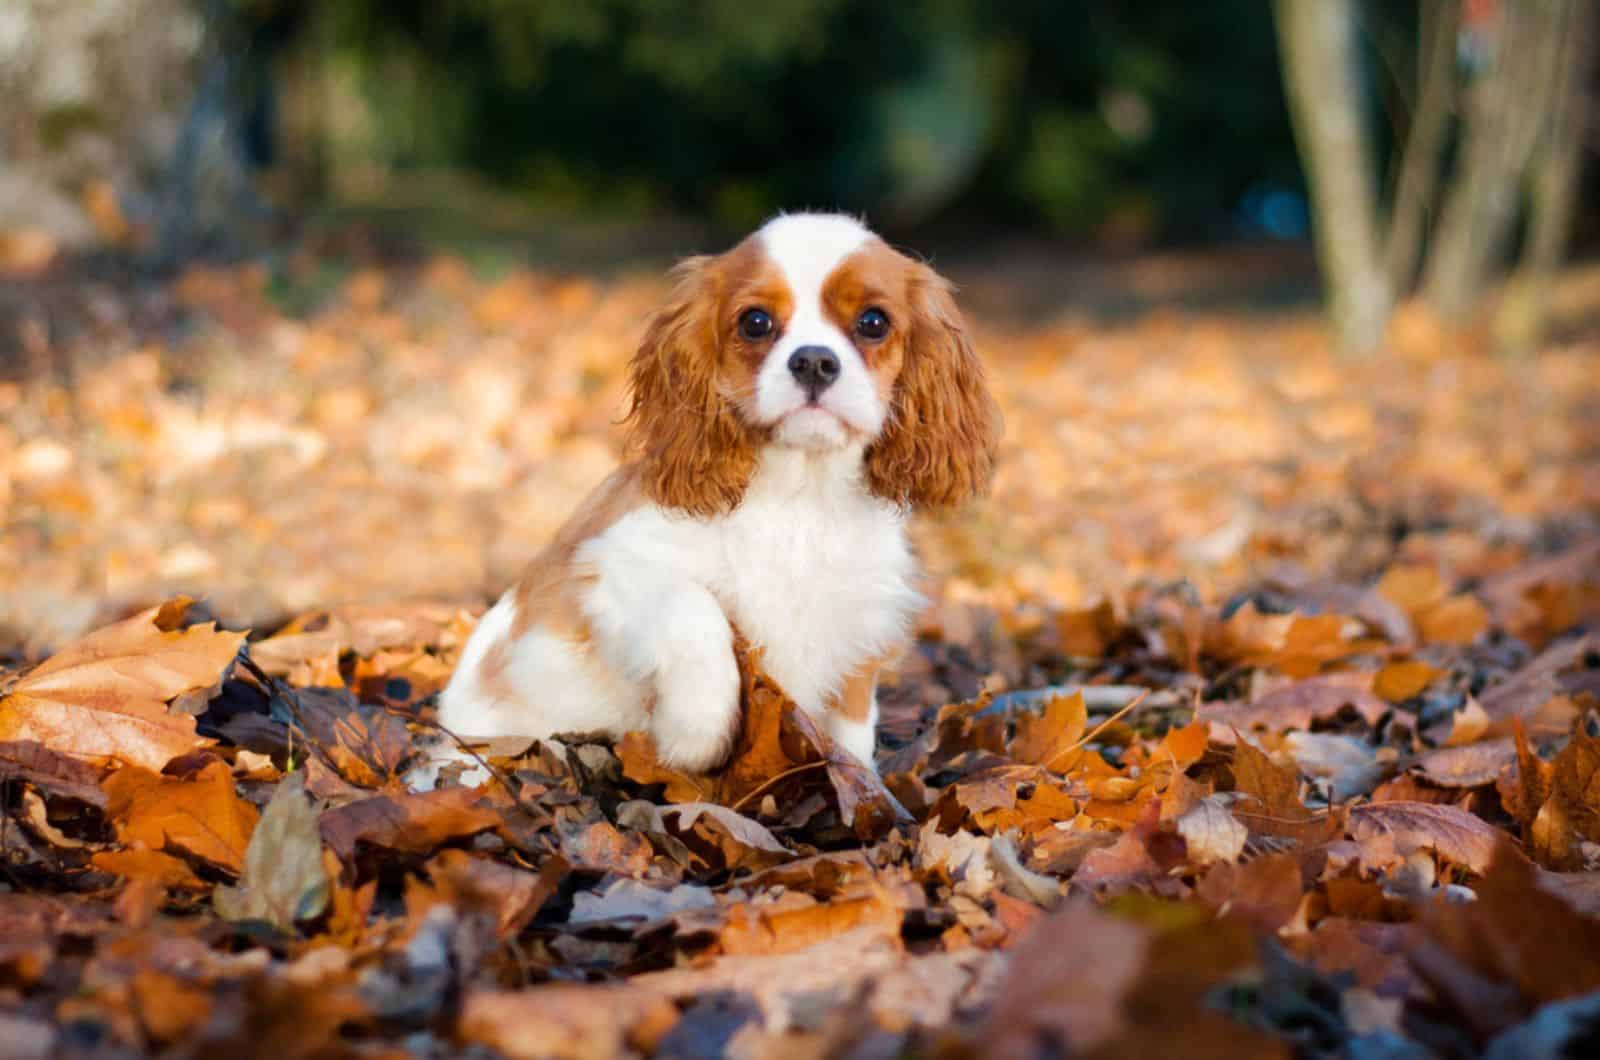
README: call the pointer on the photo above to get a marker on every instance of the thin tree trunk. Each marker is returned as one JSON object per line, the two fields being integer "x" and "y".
{"x": 1317, "y": 40}
{"x": 1556, "y": 168}
{"x": 1419, "y": 164}
{"x": 1508, "y": 113}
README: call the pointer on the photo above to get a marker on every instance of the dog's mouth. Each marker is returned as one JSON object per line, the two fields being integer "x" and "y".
{"x": 814, "y": 426}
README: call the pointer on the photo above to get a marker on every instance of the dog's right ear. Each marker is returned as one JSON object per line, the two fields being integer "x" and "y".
{"x": 697, "y": 453}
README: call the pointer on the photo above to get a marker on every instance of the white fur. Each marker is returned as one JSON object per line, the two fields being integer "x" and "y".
{"x": 807, "y": 248}
{"x": 810, "y": 566}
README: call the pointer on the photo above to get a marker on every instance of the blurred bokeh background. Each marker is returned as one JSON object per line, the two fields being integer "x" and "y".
{"x": 418, "y": 235}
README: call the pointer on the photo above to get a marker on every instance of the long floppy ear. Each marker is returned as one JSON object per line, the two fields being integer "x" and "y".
{"x": 938, "y": 445}
{"x": 696, "y": 453}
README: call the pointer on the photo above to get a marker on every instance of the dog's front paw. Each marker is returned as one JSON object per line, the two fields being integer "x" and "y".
{"x": 697, "y": 712}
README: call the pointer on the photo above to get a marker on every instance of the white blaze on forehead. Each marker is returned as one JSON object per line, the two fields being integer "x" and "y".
{"x": 808, "y": 247}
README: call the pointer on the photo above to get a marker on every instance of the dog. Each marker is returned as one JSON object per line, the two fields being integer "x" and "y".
{"x": 792, "y": 402}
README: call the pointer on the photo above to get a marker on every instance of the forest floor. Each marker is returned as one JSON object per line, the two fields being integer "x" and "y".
{"x": 1249, "y": 712}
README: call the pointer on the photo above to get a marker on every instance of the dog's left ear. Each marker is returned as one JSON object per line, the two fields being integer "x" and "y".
{"x": 938, "y": 445}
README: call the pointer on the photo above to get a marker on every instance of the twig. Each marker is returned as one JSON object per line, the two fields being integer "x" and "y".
{"x": 768, "y": 783}
{"x": 1098, "y": 729}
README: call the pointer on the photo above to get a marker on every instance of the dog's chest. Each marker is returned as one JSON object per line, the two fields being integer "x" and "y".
{"x": 821, "y": 584}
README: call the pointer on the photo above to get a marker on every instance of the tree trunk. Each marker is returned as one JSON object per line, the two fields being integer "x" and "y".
{"x": 1508, "y": 112}
{"x": 94, "y": 94}
{"x": 1317, "y": 39}
{"x": 1556, "y": 169}
{"x": 1419, "y": 163}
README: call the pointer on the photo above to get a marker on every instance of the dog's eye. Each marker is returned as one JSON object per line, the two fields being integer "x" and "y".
{"x": 755, "y": 324}
{"x": 873, "y": 324}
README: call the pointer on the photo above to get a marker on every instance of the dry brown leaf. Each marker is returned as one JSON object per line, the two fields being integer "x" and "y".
{"x": 1265, "y": 890}
{"x": 566, "y": 1021}
{"x": 1450, "y": 832}
{"x": 1516, "y": 935}
{"x": 1296, "y": 706}
{"x": 1457, "y": 620}
{"x": 1471, "y": 766}
{"x": 1534, "y": 693}
{"x": 200, "y": 815}
{"x": 1211, "y": 833}
{"x": 105, "y": 695}
{"x": 412, "y": 823}
{"x": 61, "y": 776}
{"x": 1067, "y": 982}
{"x": 787, "y": 927}
{"x": 733, "y": 840}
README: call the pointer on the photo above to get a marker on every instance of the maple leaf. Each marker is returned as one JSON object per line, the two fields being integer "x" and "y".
{"x": 200, "y": 815}
{"x": 1049, "y": 736}
{"x": 106, "y": 695}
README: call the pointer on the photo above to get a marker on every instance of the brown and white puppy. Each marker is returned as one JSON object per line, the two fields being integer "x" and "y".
{"x": 794, "y": 399}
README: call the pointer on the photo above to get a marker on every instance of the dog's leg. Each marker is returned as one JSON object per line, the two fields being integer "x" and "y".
{"x": 670, "y": 635}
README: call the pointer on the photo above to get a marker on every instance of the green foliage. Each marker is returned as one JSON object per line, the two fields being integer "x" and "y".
{"x": 1064, "y": 112}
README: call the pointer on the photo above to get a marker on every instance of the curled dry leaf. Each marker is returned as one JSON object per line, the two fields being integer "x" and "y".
{"x": 1297, "y": 706}
{"x": 284, "y": 881}
{"x": 413, "y": 823}
{"x": 1470, "y": 766}
{"x": 105, "y": 696}
{"x": 1211, "y": 833}
{"x": 734, "y": 840}
{"x": 1449, "y": 831}
{"x": 61, "y": 776}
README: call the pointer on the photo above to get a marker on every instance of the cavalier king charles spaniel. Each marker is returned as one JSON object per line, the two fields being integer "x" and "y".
{"x": 792, "y": 402}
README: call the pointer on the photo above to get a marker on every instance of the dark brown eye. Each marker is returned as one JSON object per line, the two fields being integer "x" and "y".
{"x": 873, "y": 325}
{"x": 755, "y": 324}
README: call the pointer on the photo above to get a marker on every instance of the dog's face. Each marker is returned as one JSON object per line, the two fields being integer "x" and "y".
{"x": 811, "y": 334}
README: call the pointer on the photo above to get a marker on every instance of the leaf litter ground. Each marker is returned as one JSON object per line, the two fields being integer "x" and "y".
{"x": 1252, "y": 716}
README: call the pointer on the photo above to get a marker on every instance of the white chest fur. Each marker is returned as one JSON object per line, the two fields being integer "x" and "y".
{"x": 810, "y": 566}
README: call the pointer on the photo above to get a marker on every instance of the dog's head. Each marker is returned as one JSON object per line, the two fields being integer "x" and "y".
{"x": 810, "y": 334}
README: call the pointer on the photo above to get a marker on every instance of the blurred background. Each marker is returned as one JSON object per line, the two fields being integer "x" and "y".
{"x": 207, "y": 202}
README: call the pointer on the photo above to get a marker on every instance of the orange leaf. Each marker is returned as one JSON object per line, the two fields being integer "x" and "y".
{"x": 1046, "y": 737}
{"x": 200, "y": 815}
{"x": 106, "y": 695}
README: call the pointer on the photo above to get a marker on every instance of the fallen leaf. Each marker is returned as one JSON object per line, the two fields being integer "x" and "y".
{"x": 1211, "y": 833}
{"x": 283, "y": 882}
{"x": 1049, "y": 736}
{"x": 1450, "y": 832}
{"x": 566, "y": 1021}
{"x": 200, "y": 816}
{"x": 739, "y": 842}
{"x": 59, "y": 775}
{"x": 632, "y": 900}
{"x": 1470, "y": 766}
{"x": 105, "y": 695}
{"x": 1266, "y": 890}
{"x": 412, "y": 823}
{"x": 1401, "y": 680}
{"x": 1296, "y": 706}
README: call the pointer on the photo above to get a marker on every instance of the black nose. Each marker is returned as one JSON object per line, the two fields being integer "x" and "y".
{"x": 815, "y": 368}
